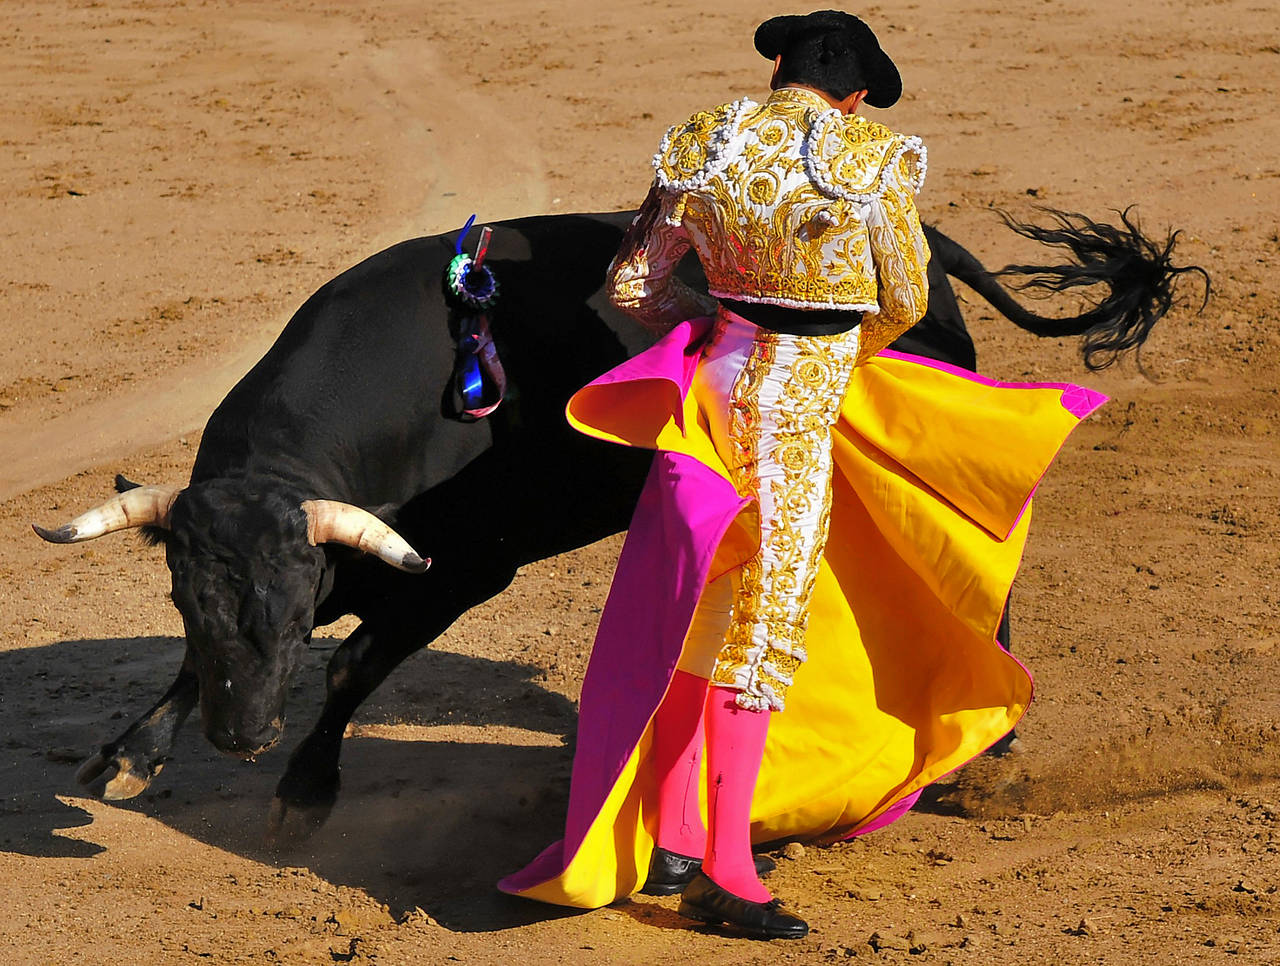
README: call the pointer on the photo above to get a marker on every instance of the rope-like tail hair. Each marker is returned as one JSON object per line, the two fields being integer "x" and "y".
{"x": 1139, "y": 274}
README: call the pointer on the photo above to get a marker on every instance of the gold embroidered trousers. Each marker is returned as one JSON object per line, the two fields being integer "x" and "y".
{"x": 771, "y": 400}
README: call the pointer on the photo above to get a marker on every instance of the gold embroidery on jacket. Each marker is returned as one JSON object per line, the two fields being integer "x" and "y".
{"x": 641, "y": 280}
{"x": 788, "y": 203}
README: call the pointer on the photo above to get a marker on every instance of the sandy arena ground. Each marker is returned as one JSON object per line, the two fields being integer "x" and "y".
{"x": 178, "y": 177}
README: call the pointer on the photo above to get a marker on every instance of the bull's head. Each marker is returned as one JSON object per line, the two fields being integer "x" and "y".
{"x": 248, "y": 571}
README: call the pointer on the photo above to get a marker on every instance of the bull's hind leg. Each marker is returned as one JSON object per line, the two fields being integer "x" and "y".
{"x": 1010, "y": 744}
{"x": 125, "y": 767}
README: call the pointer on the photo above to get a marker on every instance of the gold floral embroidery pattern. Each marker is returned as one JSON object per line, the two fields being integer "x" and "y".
{"x": 782, "y": 408}
{"x": 744, "y": 411}
{"x": 762, "y": 189}
{"x": 780, "y": 200}
{"x": 896, "y": 235}
{"x": 848, "y": 160}
{"x": 641, "y": 278}
{"x": 691, "y": 152}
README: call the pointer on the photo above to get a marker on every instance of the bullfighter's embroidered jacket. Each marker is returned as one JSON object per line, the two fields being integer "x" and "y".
{"x": 788, "y": 203}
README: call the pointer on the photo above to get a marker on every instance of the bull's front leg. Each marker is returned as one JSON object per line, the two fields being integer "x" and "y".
{"x": 309, "y": 787}
{"x": 125, "y": 767}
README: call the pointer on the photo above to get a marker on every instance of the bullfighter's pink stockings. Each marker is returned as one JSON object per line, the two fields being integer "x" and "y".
{"x": 677, "y": 760}
{"x": 735, "y": 746}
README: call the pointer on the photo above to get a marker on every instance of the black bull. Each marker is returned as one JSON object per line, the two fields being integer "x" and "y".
{"x": 354, "y": 404}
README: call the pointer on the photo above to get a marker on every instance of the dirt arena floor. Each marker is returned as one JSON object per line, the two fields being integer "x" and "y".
{"x": 178, "y": 177}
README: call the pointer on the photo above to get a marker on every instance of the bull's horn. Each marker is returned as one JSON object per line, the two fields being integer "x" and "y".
{"x": 329, "y": 521}
{"x": 145, "y": 506}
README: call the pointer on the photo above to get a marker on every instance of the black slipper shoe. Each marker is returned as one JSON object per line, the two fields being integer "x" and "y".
{"x": 707, "y": 902}
{"x": 670, "y": 872}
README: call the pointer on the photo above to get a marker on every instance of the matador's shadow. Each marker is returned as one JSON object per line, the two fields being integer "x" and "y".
{"x": 457, "y": 772}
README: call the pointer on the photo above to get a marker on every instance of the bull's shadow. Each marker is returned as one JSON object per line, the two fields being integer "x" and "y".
{"x": 423, "y": 819}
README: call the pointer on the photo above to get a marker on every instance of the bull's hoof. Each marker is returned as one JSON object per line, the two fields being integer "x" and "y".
{"x": 115, "y": 778}
{"x": 292, "y": 823}
{"x": 1010, "y": 744}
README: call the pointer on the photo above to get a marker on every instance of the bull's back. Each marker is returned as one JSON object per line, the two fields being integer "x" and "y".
{"x": 351, "y": 400}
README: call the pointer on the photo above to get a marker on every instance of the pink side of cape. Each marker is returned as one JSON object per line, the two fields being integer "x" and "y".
{"x": 683, "y": 513}
{"x": 681, "y": 517}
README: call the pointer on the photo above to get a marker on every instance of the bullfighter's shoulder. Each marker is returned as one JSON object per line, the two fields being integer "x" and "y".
{"x": 854, "y": 158}
{"x": 694, "y": 150}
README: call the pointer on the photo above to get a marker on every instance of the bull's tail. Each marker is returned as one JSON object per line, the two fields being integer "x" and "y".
{"x": 1138, "y": 273}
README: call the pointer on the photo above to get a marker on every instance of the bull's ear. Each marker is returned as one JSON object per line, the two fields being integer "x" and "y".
{"x": 155, "y": 536}
{"x": 152, "y": 536}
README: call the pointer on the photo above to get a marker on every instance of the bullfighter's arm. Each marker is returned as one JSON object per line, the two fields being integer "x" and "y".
{"x": 898, "y": 246}
{"x": 642, "y": 280}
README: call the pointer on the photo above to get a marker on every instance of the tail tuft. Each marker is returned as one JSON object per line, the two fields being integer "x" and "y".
{"x": 1138, "y": 272}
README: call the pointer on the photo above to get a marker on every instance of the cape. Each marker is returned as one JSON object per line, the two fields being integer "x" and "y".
{"x": 935, "y": 468}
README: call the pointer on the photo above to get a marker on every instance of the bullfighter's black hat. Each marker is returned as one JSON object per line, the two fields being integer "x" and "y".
{"x": 833, "y": 51}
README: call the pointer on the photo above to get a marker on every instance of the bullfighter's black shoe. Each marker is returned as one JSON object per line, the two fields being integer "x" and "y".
{"x": 670, "y": 872}
{"x": 707, "y": 902}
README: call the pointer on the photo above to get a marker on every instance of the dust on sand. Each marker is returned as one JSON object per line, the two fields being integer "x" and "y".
{"x": 178, "y": 178}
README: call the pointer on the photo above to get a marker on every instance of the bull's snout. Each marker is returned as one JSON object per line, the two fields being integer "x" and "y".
{"x": 245, "y": 744}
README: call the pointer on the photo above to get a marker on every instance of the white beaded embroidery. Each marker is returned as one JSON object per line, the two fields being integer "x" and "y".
{"x": 718, "y": 153}
{"x": 819, "y": 170}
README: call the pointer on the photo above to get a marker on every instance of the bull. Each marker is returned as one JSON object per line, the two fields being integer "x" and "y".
{"x": 340, "y": 455}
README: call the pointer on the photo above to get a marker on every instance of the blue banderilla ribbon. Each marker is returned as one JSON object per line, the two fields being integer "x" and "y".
{"x": 457, "y": 248}
{"x": 472, "y": 383}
